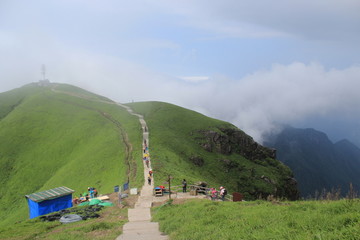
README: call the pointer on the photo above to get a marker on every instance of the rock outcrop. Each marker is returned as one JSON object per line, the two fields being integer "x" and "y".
{"x": 279, "y": 181}
{"x": 228, "y": 141}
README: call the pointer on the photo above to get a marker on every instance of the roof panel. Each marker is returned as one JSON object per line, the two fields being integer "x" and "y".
{"x": 50, "y": 194}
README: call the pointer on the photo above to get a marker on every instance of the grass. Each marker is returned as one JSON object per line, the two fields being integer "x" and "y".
{"x": 175, "y": 138}
{"x": 53, "y": 139}
{"x": 204, "y": 219}
{"x": 108, "y": 226}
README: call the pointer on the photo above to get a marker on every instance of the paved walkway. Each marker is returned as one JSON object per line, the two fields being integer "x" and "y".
{"x": 140, "y": 226}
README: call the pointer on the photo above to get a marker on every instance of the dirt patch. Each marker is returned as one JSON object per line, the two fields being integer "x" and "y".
{"x": 180, "y": 200}
{"x": 175, "y": 201}
{"x": 126, "y": 202}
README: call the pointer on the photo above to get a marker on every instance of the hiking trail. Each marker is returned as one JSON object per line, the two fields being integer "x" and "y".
{"x": 139, "y": 226}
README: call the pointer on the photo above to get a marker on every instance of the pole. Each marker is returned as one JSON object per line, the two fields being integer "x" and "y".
{"x": 120, "y": 195}
{"x": 169, "y": 189}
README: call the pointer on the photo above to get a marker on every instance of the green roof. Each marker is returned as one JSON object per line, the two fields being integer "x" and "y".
{"x": 50, "y": 194}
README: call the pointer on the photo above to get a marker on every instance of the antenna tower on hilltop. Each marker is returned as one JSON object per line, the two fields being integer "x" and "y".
{"x": 43, "y": 71}
{"x": 43, "y": 82}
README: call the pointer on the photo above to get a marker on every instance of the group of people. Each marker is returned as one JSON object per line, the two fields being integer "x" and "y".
{"x": 146, "y": 154}
{"x": 86, "y": 196}
{"x": 214, "y": 194}
{"x": 146, "y": 158}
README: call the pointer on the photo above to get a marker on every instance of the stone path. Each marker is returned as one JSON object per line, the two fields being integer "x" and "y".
{"x": 140, "y": 226}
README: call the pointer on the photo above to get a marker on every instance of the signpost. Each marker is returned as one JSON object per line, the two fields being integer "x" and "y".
{"x": 169, "y": 180}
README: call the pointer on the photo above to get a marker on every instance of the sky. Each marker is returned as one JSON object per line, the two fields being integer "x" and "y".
{"x": 256, "y": 64}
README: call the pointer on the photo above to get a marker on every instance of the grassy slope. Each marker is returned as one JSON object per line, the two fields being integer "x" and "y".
{"x": 204, "y": 219}
{"x": 51, "y": 139}
{"x": 107, "y": 226}
{"x": 173, "y": 139}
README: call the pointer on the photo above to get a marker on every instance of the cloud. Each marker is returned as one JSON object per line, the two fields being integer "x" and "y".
{"x": 256, "y": 103}
{"x": 315, "y": 20}
{"x": 137, "y": 51}
{"x": 285, "y": 94}
{"x": 195, "y": 79}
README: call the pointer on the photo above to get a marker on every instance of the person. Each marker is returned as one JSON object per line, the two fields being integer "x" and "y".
{"x": 213, "y": 194}
{"x": 223, "y": 193}
{"x": 149, "y": 179}
{"x": 91, "y": 193}
{"x": 95, "y": 192}
{"x": 184, "y": 184}
{"x": 75, "y": 201}
{"x": 82, "y": 198}
{"x": 150, "y": 172}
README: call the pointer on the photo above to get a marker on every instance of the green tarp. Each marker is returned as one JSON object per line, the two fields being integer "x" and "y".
{"x": 95, "y": 201}
{"x": 84, "y": 203}
{"x": 106, "y": 204}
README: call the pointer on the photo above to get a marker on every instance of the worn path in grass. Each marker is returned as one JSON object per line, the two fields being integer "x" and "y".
{"x": 139, "y": 226}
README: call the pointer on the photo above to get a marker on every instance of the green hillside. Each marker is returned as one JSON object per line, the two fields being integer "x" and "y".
{"x": 258, "y": 220}
{"x": 60, "y": 135}
{"x": 186, "y": 144}
{"x": 63, "y": 138}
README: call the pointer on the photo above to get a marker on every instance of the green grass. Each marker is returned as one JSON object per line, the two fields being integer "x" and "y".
{"x": 204, "y": 219}
{"x": 175, "y": 137}
{"x": 52, "y": 139}
{"x": 108, "y": 226}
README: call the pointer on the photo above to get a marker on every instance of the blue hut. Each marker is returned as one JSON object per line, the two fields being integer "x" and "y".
{"x": 49, "y": 201}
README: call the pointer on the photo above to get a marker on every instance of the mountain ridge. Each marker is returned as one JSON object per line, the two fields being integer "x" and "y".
{"x": 317, "y": 162}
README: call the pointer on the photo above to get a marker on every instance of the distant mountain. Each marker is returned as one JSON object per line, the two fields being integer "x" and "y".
{"x": 317, "y": 163}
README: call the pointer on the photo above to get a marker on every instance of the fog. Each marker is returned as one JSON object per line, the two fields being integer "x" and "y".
{"x": 256, "y": 65}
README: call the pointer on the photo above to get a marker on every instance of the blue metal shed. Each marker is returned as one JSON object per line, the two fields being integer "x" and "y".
{"x": 49, "y": 201}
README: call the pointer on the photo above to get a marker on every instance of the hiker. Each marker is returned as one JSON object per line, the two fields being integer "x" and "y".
{"x": 184, "y": 184}
{"x": 150, "y": 172}
{"x": 82, "y": 198}
{"x": 75, "y": 200}
{"x": 213, "y": 194}
{"x": 149, "y": 179}
{"x": 147, "y": 163}
{"x": 91, "y": 193}
{"x": 223, "y": 193}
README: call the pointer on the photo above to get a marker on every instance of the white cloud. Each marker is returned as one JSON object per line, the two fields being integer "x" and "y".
{"x": 322, "y": 19}
{"x": 284, "y": 94}
{"x": 195, "y": 79}
{"x": 113, "y": 49}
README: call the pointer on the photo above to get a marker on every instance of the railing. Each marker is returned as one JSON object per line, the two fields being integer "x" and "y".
{"x": 199, "y": 189}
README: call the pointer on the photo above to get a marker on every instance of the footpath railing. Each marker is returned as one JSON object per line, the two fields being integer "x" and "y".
{"x": 196, "y": 190}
